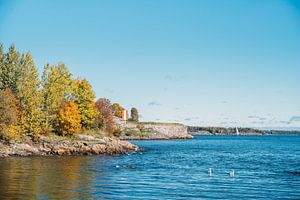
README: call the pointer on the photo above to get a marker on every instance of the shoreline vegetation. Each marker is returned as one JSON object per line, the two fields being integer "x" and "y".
{"x": 55, "y": 113}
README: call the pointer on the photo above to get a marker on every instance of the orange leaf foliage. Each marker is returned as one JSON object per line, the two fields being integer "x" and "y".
{"x": 69, "y": 118}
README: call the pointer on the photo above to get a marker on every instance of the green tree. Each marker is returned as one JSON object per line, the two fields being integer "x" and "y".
{"x": 2, "y": 57}
{"x": 30, "y": 96}
{"x": 69, "y": 118}
{"x": 10, "y": 71}
{"x": 57, "y": 87}
{"x": 9, "y": 115}
{"x": 84, "y": 97}
{"x": 134, "y": 115}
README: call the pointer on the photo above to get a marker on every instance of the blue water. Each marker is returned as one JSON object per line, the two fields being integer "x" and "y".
{"x": 174, "y": 169}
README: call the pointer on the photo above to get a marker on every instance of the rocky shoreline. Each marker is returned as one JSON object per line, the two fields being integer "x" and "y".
{"x": 157, "y": 137}
{"x": 81, "y": 145}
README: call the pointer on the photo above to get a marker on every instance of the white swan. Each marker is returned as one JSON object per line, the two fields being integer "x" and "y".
{"x": 209, "y": 171}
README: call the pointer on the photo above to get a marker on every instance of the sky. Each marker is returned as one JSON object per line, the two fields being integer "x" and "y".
{"x": 197, "y": 62}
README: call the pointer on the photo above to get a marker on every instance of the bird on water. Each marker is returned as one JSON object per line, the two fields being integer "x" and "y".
{"x": 210, "y": 171}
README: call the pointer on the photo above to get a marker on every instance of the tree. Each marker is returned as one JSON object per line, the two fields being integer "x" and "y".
{"x": 2, "y": 57}
{"x": 117, "y": 110}
{"x": 84, "y": 96}
{"x": 9, "y": 115}
{"x": 57, "y": 88}
{"x": 69, "y": 118}
{"x": 30, "y": 96}
{"x": 134, "y": 115}
{"x": 10, "y": 71}
{"x": 105, "y": 119}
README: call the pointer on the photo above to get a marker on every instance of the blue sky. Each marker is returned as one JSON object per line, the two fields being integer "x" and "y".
{"x": 202, "y": 62}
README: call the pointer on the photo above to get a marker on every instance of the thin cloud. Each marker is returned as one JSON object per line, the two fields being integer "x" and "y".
{"x": 154, "y": 103}
{"x": 251, "y": 116}
{"x": 284, "y": 122}
{"x": 169, "y": 77}
{"x": 257, "y": 117}
{"x": 108, "y": 90}
{"x": 291, "y": 120}
{"x": 294, "y": 119}
{"x": 257, "y": 122}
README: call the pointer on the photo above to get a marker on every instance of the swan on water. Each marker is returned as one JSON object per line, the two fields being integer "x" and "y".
{"x": 209, "y": 171}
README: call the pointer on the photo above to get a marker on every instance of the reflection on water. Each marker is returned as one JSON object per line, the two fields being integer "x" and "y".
{"x": 48, "y": 177}
{"x": 265, "y": 168}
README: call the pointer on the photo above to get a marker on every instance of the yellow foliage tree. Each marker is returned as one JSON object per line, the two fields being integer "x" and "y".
{"x": 69, "y": 118}
{"x": 9, "y": 116}
{"x": 84, "y": 97}
{"x": 117, "y": 110}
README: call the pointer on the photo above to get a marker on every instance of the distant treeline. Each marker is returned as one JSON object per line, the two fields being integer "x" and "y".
{"x": 232, "y": 130}
{"x": 282, "y": 132}
{"x": 223, "y": 130}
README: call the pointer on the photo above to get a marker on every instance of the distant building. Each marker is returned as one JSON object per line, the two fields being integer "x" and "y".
{"x": 121, "y": 122}
{"x": 125, "y": 115}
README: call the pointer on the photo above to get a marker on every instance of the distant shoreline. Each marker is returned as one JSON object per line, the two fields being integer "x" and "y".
{"x": 197, "y": 130}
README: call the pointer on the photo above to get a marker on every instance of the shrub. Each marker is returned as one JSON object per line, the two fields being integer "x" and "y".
{"x": 11, "y": 133}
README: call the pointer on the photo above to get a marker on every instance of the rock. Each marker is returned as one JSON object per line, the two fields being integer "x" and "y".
{"x": 85, "y": 137}
{"x": 60, "y": 150}
{"x": 98, "y": 148}
{"x": 61, "y": 147}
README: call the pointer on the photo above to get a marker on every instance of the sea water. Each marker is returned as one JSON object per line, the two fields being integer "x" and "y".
{"x": 264, "y": 168}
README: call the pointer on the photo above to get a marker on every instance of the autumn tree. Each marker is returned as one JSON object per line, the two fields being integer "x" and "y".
{"x": 30, "y": 96}
{"x": 134, "y": 115}
{"x": 9, "y": 115}
{"x": 117, "y": 110}
{"x": 57, "y": 88}
{"x": 69, "y": 118}
{"x": 105, "y": 119}
{"x": 84, "y": 96}
{"x": 10, "y": 69}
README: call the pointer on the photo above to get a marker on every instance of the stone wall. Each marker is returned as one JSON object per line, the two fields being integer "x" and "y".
{"x": 168, "y": 130}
